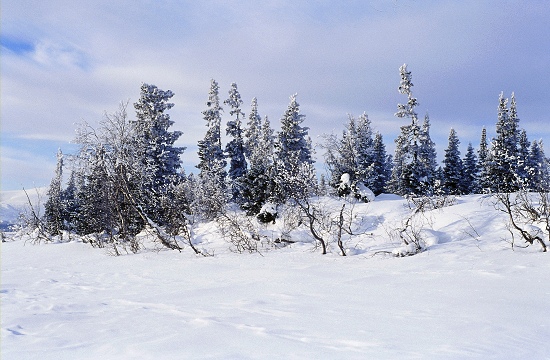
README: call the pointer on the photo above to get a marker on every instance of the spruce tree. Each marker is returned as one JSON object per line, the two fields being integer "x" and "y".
{"x": 160, "y": 158}
{"x": 502, "y": 162}
{"x": 538, "y": 168}
{"x": 427, "y": 157}
{"x": 235, "y": 149}
{"x": 453, "y": 169}
{"x": 471, "y": 178}
{"x": 408, "y": 171}
{"x": 523, "y": 159}
{"x": 211, "y": 198}
{"x": 53, "y": 207}
{"x": 257, "y": 184}
{"x": 364, "y": 144}
{"x": 482, "y": 163}
{"x": 379, "y": 170}
{"x": 295, "y": 175}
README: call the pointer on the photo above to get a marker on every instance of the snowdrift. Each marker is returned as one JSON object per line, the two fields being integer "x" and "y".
{"x": 468, "y": 294}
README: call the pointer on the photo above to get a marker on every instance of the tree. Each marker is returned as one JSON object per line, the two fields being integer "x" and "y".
{"x": 502, "y": 161}
{"x": 155, "y": 147}
{"x": 53, "y": 208}
{"x": 453, "y": 169}
{"x": 211, "y": 198}
{"x": 258, "y": 183}
{"x": 483, "y": 169}
{"x": 408, "y": 174}
{"x": 379, "y": 170}
{"x": 295, "y": 176}
{"x": 538, "y": 168}
{"x": 471, "y": 178}
{"x": 427, "y": 157}
{"x": 252, "y": 135}
{"x": 235, "y": 148}
{"x": 523, "y": 158}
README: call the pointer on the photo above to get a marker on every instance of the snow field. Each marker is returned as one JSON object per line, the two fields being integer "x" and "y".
{"x": 465, "y": 297}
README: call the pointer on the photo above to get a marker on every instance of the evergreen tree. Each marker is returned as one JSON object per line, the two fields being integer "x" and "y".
{"x": 502, "y": 162}
{"x": 295, "y": 175}
{"x": 159, "y": 156}
{"x": 211, "y": 199}
{"x": 427, "y": 157}
{"x": 523, "y": 159}
{"x": 364, "y": 145}
{"x": 408, "y": 174}
{"x": 258, "y": 183}
{"x": 483, "y": 169}
{"x": 471, "y": 178}
{"x": 538, "y": 168}
{"x": 53, "y": 208}
{"x": 252, "y": 135}
{"x": 235, "y": 148}
{"x": 453, "y": 169}
{"x": 379, "y": 170}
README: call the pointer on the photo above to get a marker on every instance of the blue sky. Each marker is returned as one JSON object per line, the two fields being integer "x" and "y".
{"x": 64, "y": 62}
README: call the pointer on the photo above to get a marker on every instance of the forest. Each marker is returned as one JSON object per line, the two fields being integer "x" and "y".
{"x": 127, "y": 176}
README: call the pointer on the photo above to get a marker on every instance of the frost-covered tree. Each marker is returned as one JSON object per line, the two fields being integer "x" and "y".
{"x": 258, "y": 183}
{"x": 502, "y": 161}
{"x": 235, "y": 149}
{"x": 482, "y": 155}
{"x": 364, "y": 144}
{"x": 160, "y": 158}
{"x": 470, "y": 178}
{"x": 453, "y": 169}
{"x": 379, "y": 172}
{"x": 53, "y": 208}
{"x": 538, "y": 168}
{"x": 409, "y": 172}
{"x": 211, "y": 197}
{"x": 295, "y": 175}
{"x": 427, "y": 157}
{"x": 252, "y": 135}
{"x": 523, "y": 158}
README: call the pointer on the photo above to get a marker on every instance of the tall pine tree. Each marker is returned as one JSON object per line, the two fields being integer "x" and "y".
{"x": 453, "y": 169}
{"x": 295, "y": 175}
{"x": 235, "y": 149}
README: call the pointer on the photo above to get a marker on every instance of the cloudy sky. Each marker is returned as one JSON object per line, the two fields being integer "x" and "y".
{"x": 66, "y": 61}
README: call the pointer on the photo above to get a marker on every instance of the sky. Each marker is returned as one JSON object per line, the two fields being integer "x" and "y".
{"x": 64, "y": 62}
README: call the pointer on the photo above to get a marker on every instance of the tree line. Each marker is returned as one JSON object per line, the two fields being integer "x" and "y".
{"x": 127, "y": 174}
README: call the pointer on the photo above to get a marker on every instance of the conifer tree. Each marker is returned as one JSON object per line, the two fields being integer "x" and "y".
{"x": 258, "y": 183}
{"x": 538, "y": 168}
{"x": 364, "y": 144}
{"x": 252, "y": 135}
{"x": 427, "y": 157}
{"x": 295, "y": 175}
{"x": 523, "y": 158}
{"x": 453, "y": 169}
{"x": 53, "y": 208}
{"x": 379, "y": 170}
{"x": 235, "y": 149}
{"x": 407, "y": 173}
{"x": 159, "y": 156}
{"x": 471, "y": 178}
{"x": 483, "y": 169}
{"x": 211, "y": 198}
{"x": 502, "y": 162}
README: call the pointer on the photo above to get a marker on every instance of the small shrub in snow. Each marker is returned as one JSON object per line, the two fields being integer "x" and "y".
{"x": 268, "y": 213}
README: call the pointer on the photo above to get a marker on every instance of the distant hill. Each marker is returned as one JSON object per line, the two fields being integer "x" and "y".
{"x": 15, "y": 202}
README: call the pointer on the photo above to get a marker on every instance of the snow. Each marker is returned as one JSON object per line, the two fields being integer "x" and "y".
{"x": 468, "y": 295}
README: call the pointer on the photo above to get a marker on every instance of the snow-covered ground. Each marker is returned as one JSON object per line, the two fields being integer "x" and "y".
{"x": 469, "y": 295}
